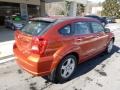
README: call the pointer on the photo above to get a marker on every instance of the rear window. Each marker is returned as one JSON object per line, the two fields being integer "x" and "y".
{"x": 35, "y": 27}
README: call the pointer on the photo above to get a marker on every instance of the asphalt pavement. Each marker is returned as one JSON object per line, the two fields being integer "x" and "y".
{"x": 6, "y": 44}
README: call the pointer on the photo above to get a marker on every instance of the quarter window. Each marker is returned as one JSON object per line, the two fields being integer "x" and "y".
{"x": 96, "y": 27}
{"x": 82, "y": 28}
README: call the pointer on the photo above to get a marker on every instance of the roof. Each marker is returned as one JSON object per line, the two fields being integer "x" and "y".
{"x": 60, "y": 18}
{"x": 44, "y": 19}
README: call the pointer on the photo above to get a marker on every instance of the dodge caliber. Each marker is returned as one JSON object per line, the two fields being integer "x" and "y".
{"x": 54, "y": 46}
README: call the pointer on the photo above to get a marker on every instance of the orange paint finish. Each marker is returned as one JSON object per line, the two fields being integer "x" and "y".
{"x": 41, "y": 67}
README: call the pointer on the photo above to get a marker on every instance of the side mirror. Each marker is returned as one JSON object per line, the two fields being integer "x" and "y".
{"x": 107, "y": 30}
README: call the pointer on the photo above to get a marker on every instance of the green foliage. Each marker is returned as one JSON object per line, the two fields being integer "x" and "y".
{"x": 111, "y": 8}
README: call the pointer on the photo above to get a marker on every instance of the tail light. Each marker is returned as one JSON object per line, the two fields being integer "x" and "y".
{"x": 14, "y": 46}
{"x": 38, "y": 45}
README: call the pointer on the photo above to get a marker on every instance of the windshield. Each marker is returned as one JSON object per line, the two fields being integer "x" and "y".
{"x": 35, "y": 27}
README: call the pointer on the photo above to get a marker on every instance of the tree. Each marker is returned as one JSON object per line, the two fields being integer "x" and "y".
{"x": 67, "y": 4}
{"x": 111, "y": 8}
{"x": 80, "y": 9}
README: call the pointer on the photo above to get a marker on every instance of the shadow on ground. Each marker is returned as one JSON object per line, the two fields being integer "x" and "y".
{"x": 6, "y": 34}
{"x": 89, "y": 65}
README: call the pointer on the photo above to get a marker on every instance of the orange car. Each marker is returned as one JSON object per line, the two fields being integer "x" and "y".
{"x": 53, "y": 46}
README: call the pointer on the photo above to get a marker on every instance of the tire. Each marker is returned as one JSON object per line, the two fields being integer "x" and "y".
{"x": 66, "y": 68}
{"x": 110, "y": 47}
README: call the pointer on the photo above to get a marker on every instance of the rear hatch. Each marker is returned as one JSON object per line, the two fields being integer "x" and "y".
{"x": 25, "y": 36}
{"x": 23, "y": 41}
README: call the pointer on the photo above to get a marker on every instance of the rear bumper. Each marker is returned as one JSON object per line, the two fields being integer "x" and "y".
{"x": 40, "y": 68}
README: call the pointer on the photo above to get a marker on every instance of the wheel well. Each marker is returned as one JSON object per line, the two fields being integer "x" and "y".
{"x": 75, "y": 54}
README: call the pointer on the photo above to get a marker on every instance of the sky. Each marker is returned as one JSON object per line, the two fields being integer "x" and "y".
{"x": 96, "y": 1}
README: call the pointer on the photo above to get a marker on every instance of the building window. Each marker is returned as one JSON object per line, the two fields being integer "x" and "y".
{"x": 33, "y": 10}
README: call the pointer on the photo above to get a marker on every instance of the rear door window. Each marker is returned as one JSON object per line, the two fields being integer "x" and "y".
{"x": 96, "y": 27}
{"x": 66, "y": 30}
{"x": 82, "y": 28}
{"x": 35, "y": 27}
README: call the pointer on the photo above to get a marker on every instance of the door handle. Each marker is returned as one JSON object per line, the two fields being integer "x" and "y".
{"x": 97, "y": 35}
{"x": 79, "y": 39}
{"x": 89, "y": 37}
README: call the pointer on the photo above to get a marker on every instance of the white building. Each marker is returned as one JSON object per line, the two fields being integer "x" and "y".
{"x": 73, "y": 7}
{"x": 96, "y": 10}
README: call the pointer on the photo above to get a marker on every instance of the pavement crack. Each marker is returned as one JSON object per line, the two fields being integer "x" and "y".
{"x": 101, "y": 72}
{"x": 27, "y": 79}
{"x": 7, "y": 72}
{"x": 74, "y": 88}
{"x": 89, "y": 79}
{"x": 47, "y": 84}
{"x": 19, "y": 71}
{"x": 103, "y": 66}
{"x": 100, "y": 85}
{"x": 32, "y": 86}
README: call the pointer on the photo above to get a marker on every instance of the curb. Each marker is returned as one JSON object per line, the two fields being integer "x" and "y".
{"x": 6, "y": 57}
{"x": 7, "y": 42}
{"x": 7, "y": 60}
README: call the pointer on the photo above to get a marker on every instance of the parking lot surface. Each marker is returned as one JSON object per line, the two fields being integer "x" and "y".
{"x": 6, "y": 34}
{"x": 6, "y": 44}
{"x": 99, "y": 73}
